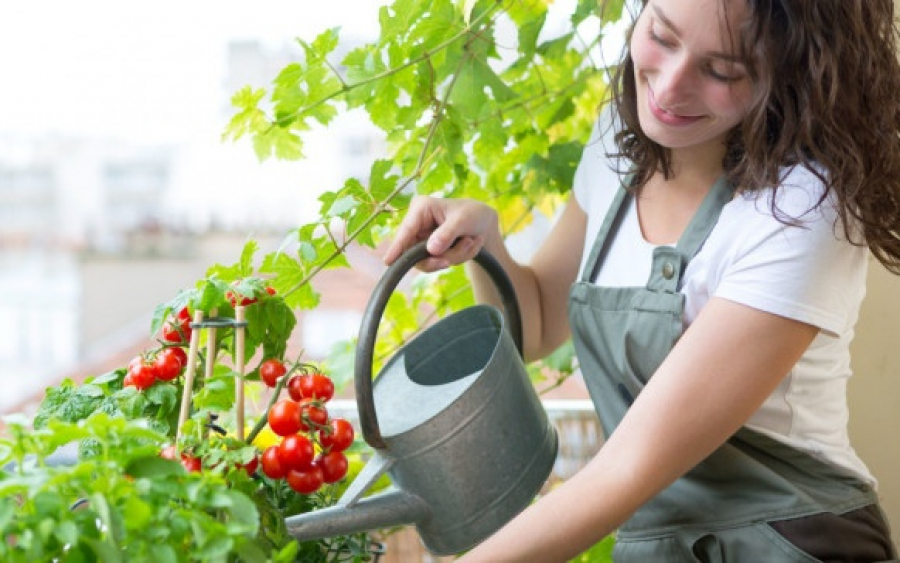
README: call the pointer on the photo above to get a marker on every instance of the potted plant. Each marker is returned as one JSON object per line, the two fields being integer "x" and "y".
{"x": 167, "y": 468}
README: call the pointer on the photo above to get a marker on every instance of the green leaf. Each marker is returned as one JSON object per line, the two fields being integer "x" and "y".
{"x": 247, "y": 253}
{"x": 162, "y": 398}
{"x": 244, "y": 516}
{"x": 216, "y": 546}
{"x": 153, "y": 466}
{"x": 104, "y": 551}
{"x": 66, "y": 402}
{"x": 162, "y": 553}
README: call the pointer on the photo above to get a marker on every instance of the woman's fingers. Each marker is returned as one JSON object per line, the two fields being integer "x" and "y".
{"x": 454, "y": 228}
{"x": 416, "y": 226}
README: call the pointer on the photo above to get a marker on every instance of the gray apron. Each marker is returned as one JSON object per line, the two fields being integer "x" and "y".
{"x": 730, "y": 506}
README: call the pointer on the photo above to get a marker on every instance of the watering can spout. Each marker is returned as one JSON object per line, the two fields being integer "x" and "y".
{"x": 390, "y": 508}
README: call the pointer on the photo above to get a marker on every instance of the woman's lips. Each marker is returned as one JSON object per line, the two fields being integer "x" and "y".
{"x": 667, "y": 117}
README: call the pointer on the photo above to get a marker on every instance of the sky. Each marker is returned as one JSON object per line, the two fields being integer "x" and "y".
{"x": 140, "y": 69}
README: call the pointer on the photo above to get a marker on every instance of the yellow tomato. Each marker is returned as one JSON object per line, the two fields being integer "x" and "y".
{"x": 266, "y": 438}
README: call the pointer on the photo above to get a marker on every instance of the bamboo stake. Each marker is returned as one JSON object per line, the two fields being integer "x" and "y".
{"x": 239, "y": 355}
{"x": 193, "y": 350}
{"x": 210, "y": 347}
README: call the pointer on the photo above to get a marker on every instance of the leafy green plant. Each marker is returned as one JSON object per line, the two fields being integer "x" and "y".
{"x": 135, "y": 505}
{"x": 464, "y": 113}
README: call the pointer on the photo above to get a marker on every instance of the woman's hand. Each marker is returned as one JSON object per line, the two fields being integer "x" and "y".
{"x": 456, "y": 229}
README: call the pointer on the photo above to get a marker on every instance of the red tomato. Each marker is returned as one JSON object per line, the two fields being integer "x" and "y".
{"x": 188, "y": 461}
{"x": 271, "y": 465}
{"x": 337, "y": 436}
{"x": 191, "y": 463}
{"x": 311, "y": 386}
{"x": 296, "y": 452}
{"x": 143, "y": 375}
{"x": 177, "y": 332}
{"x": 312, "y": 415}
{"x": 251, "y": 466}
{"x": 270, "y": 371}
{"x": 239, "y": 299}
{"x": 284, "y": 417}
{"x": 270, "y": 290}
{"x": 167, "y": 364}
{"x": 136, "y": 361}
{"x": 179, "y": 353}
{"x": 183, "y": 314}
{"x": 306, "y": 481}
{"x": 334, "y": 466}
{"x": 128, "y": 380}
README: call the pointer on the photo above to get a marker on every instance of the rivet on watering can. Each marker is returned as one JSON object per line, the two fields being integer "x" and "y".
{"x": 668, "y": 270}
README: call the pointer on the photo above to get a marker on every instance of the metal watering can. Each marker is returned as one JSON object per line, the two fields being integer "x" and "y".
{"x": 453, "y": 420}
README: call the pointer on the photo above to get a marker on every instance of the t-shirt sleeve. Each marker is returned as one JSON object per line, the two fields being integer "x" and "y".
{"x": 804, "y": 269}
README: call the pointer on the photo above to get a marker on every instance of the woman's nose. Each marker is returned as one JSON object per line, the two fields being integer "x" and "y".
{"x": 674, "y": 83}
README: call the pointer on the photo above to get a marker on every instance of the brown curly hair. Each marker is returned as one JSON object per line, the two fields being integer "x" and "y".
{"x": 828, "y": 99}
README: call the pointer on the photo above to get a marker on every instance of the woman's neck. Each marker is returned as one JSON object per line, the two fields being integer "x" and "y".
{"x": 696, "y": 166}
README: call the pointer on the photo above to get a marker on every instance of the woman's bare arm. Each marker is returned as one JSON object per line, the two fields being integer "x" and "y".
{"x": 720, "y": 372}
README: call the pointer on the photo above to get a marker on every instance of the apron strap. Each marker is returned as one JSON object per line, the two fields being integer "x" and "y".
{"x": 705, "y": 218}
{"x": 614, "y": 216}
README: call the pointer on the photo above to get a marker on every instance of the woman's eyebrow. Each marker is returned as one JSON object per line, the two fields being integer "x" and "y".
{"x": 674, "y": 29}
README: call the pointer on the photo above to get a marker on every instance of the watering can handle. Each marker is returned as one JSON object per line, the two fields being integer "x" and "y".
{"x": 365, "y": 346}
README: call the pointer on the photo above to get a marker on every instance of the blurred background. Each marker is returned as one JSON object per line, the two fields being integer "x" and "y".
{"x": 116, "y": 189}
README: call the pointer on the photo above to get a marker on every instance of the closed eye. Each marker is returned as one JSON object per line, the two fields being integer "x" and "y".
{"x": 659, "y": 40}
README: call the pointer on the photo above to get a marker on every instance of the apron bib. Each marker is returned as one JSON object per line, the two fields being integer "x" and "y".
{"x": 724, "y": 508}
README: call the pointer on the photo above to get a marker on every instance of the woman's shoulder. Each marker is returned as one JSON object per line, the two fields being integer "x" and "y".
{"x": 800, "y": 197}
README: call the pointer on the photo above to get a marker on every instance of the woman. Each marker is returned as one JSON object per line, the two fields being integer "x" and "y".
{"x": 712, "y": 263}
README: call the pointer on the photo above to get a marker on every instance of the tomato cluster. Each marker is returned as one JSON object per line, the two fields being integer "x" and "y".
{"x": 236, "y": 298}
{"x": 302, "y": 421}
{"x": 167, "y": 363}
{"x": 178, "y": 329}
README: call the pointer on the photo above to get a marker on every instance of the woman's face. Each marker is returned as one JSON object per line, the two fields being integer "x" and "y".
{"x": 691, "y": 86}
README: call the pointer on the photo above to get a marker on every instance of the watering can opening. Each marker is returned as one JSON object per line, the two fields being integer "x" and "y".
{"x": 436, "y": 368}
{"x": 456, "y": 347}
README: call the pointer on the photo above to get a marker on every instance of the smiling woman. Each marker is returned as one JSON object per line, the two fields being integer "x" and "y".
{"x": 709, "y": 269}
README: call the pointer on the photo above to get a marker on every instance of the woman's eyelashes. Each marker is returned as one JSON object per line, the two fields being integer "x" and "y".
{"x": 710, "y": 68}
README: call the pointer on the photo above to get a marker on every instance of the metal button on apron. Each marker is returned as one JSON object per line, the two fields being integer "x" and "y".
{"x": 668, "y": 270}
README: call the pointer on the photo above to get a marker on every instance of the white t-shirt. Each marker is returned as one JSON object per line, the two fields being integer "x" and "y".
{"x": 808, "y": 273}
